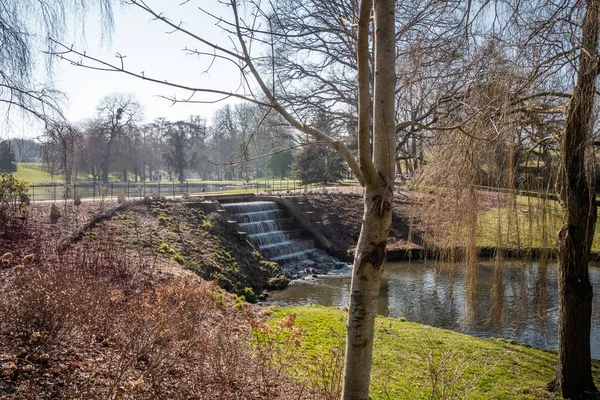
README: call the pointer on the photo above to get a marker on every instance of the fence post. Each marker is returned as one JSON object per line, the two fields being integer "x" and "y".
{"x": 54, "y": 195}
{"x": 173, "y": 183}
{"x": 158, "y": 188}
{"x": 127, "y": 189}
{"x": 111, "y": 190}
{"x": 256, "y": 187}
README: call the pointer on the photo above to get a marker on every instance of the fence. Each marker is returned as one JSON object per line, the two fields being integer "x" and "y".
{"x": 58, "y": 191}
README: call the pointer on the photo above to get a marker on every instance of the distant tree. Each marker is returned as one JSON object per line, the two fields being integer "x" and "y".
{"x": 117, "y": 115}
{"x": 280, "y": 164}
{"x": 89, "y": 157}
{"x": 26, "y": 150}
{"x": 180, "y": 137}
{"x": 319, "y": 164}
{"x": 200, "y": 147}
{"x": 61, "y": 142}
{"x": 7, "y": 157}
{"x": 153, "y": 136}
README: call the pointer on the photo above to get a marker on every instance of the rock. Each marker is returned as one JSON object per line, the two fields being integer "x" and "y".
{"x": 6, "y": 259}
{"x": 28, "y": 259}
{"x": 55, "y": 214}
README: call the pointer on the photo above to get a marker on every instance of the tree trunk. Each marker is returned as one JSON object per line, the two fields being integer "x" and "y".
{"x": 576, "y": 193}
{"x": 368, "y": 266}
{"x": 370, "y": 255}
{"x": 105, "y": 166}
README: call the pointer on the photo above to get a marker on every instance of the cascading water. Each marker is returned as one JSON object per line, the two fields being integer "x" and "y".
{"x": 277, "y": 237}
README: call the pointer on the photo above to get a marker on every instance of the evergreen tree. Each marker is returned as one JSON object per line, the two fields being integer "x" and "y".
{"x": 7, "y": 157}
{"x": 280, "y": 164}
{"x": 319, "y": 164}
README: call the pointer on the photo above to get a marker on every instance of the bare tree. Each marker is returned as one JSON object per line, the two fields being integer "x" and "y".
{"x": 89, "y": 157}
{"x": 117, "y": 114}
{"x": 153, "y": 135}
{"x": 60, "y": 144}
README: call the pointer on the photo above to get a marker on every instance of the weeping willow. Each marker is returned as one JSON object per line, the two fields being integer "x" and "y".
{"x": 489, "y": 184}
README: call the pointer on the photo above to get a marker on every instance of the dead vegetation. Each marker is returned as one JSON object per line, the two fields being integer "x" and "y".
{"x": 108, "y": 325}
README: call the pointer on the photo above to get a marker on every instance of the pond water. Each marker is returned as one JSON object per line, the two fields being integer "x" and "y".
{"x": 515, "y": 301}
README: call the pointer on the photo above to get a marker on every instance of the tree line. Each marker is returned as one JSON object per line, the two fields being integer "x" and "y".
{"x": 237, "y": 145}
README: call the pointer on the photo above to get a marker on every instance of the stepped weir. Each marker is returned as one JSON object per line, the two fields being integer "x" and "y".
{"x": 277, "y": 236}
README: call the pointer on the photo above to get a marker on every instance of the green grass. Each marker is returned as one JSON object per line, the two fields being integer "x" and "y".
{"x": 495, "y": 368}
{"x": 524, "y": 227}
{"x": 33, "y": 172}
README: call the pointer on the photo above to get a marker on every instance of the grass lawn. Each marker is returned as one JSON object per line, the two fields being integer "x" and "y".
{"x": 488, "y": 369}
{"x": 525, "y": 227}
{"x": 33, "y": 172}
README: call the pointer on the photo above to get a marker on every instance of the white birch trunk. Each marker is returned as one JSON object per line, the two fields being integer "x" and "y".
{"x": 379, "y": 171}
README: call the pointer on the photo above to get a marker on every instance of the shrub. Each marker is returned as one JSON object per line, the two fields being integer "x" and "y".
{"x": 165, "y": 249}
{"x": 179, "y": 258}
{"x": 249, "y": 295}
{"x": 207, "y": 224}
{"x": 13, "y": 202}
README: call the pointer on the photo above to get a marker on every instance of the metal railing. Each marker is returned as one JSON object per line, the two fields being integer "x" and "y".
{"x": 59, "y": 191}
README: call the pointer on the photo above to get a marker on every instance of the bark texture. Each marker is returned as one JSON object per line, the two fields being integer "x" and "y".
{"x": 378, "y": 171}
{"x": 576, "y": 193}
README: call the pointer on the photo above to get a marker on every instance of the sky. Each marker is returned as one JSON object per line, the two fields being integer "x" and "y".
{"x": 148, "y": 47}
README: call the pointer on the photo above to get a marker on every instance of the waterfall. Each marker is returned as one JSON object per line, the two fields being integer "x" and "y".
{"x": 277, "y": 237}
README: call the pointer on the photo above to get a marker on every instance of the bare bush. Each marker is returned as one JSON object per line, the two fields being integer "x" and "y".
{"x": 107, "y": 328}
{"x": 451, "y": 375}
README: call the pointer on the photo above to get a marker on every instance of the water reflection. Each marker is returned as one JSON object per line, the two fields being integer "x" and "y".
{"x": 510, "y": 300}
{"x": 497, "y": 299}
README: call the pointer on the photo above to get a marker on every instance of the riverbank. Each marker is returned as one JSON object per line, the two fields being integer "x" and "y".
{"x": 409, "y": 358}
{"x": 415, "y": 234}
{"x": 516, "y": 300}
